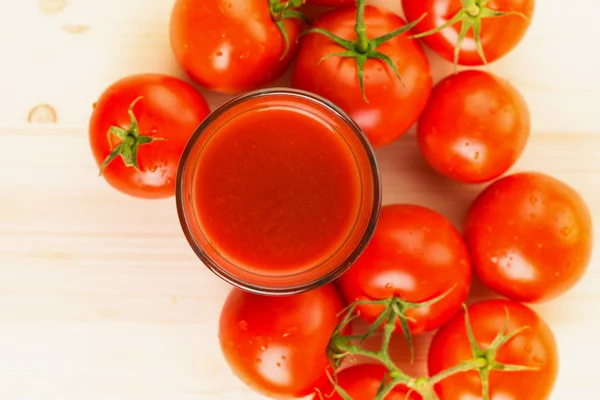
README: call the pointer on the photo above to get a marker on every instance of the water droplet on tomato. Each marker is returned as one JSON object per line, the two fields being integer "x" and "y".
{"x": 533, "y": 200}
{"x": 258, "y": 360}
{"x": 219, "y": 53}
{"x": 566, "y": 231}
{"x": 467, "y": 144}
{"x": 263, "y": 348}
{"x": 289, "y": 331}
{"x": 243, "y": 325}
{"x": 494, "y": 260}
{"x": 278, "y": 365}
{"x": 389, "y": 285}
{"x": 476, "y": 156}
{"x": 283, "y": 357}
{"x": 152, "y": 169}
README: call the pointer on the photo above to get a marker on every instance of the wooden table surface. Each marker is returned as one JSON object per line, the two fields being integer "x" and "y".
{"x": 100, "y": 295}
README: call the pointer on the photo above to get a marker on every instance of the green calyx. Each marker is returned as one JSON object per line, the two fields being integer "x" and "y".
{"x": 364, "y": 48}
{"x": 280, "y": 11}
{"x": 130, "y": 140}
{"x": 470, "y": 16}
{"x": 483, "y": 361}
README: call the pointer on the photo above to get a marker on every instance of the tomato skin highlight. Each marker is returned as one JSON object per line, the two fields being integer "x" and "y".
{"x": 336, "y": 78}
{"x": 417, "y": 255}
{"x": 534, "y": 347}
{"x": 277, "y": 345}
{"x": 170, "y": 109}
{"x": 475, "y": 127}
{"x": 361, "y": 382}
{"x": 230, "y": 46}
{"x": 499, "y": 36}
{"x": 530, "y": 237}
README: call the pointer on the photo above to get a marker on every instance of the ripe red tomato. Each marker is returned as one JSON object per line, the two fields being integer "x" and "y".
{"x": 362, "y": 382}
{"x": 530, "y": 237}
{"x": 415, "y": 254}
{"x": 167, "y": 111}
{"x": 331, "y": 3}
{"x": 232, "y": 46}
{"x": 498, "y": 35}
{"x": 533, "y": 347}
{"x": 277, "y": 345}
{"x": 336, "y": 78}
{"x": 474, "y": 128}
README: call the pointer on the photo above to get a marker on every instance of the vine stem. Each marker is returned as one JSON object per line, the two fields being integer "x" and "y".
{"x": 474, "y": 364}
{"x": 362, "y": 41}
{"x": 483, "y": 360}
{"x": 471, "y": 7}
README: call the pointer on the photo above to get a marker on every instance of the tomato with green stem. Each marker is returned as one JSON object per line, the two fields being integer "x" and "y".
{"x": 416, "y": 269}
{"x": 530, "y": 236}
{"x": 494, "y": 349}
{"x": 235, "y": 46}
{"x": 278, "y": 345}
{"x": 138, "y": 130}
{"x": 471, "y": 32}
{"x": 361, "y": 59}
{"x": 363, "y": 382}
{"x": 474, "y": 128}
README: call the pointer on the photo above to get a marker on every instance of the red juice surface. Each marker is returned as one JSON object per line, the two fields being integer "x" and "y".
{"x": 276, "y": 190}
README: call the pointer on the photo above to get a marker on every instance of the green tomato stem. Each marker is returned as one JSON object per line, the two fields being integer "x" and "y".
{"x": 362, "y": 41}
{"x": 280, "y": 11}
{"x": 362, "y": 48}
{"x": 130, "y": 141}
{"x": 469, "y": 17}
{"x": 483, "y": 361}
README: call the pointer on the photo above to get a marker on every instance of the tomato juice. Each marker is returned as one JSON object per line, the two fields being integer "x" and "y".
{"x": 278, "y": 191}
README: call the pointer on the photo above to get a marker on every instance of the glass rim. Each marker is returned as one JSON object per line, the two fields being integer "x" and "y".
{"x": 229, "y": 277}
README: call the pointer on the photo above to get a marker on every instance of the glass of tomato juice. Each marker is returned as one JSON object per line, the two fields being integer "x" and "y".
{"x": 278, "y": 191}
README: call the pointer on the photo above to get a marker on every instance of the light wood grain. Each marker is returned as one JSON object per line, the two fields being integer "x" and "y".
{"x": 101, "y": 297}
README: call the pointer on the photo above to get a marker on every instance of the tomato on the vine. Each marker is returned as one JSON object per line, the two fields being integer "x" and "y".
{"x": 471, "y": 32}
{"x": 138, "y": 130}
{"x": 362, "y": 382}
{"x": 415, "y": 255}
{"x": 235, "y": 46}
{"x": 513, "y": 349}
{"x": 474, "y": 128}
{"x": 530, "y": 236}
{"x": 278, "y": 345}
{"x": 361, "y": 59}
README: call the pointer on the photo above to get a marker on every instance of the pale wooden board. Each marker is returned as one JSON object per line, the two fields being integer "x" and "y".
{"x": 100, "y": 295}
